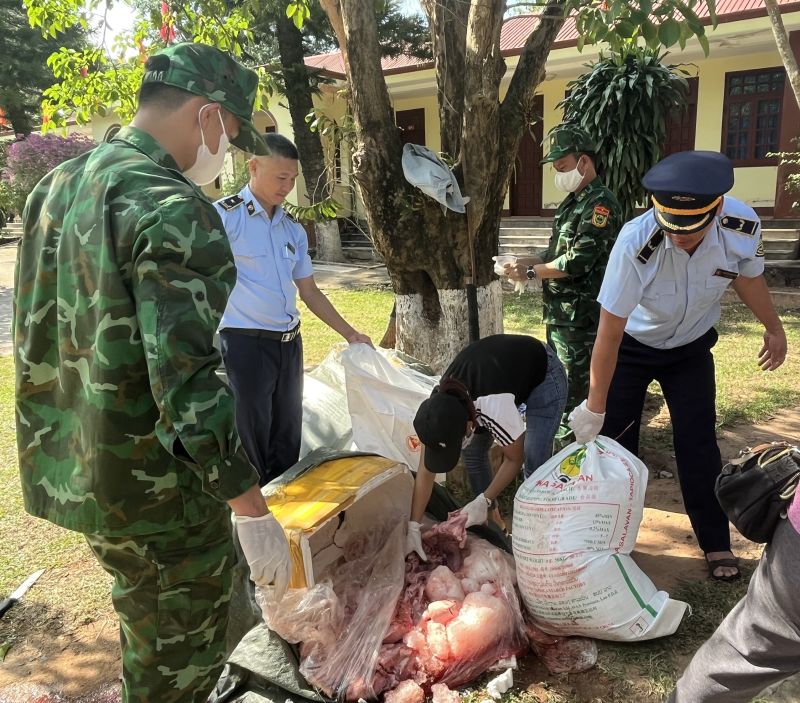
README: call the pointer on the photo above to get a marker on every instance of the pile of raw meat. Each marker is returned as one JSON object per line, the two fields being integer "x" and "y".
{"x": 377, "y": 623}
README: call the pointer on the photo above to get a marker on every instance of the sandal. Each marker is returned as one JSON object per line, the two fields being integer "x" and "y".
{"x": 729, "y": 562}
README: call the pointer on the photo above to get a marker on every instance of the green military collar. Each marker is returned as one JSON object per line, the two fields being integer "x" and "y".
{"x": 590, "y": 188}
{"x": 144, "y": 142}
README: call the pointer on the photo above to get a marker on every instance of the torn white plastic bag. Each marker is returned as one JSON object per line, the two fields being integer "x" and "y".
{"x": 384, "y": 393}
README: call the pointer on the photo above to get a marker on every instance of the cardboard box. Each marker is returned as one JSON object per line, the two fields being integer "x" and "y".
{"x": 333, "y": 500}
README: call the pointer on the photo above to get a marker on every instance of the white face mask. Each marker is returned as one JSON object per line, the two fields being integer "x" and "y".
{"x": 568, "y": 181}
{"x": 208, "y": 166}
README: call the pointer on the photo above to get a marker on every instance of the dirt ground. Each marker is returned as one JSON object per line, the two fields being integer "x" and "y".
{"x": 53, "y": 662}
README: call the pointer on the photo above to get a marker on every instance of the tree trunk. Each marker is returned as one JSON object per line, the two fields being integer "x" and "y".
{"x": 19, "y": 118}
{"x": 329, "y": 241}
{"x": 784, "y": 48}
{"x": 312, "y": 158}
{"x": 427, "y": 252}
{"x": 436, "y": 339}
{"x": 447, "y": 20}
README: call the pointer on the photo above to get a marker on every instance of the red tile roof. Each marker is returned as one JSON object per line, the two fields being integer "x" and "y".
{"x": 517, "y": 29}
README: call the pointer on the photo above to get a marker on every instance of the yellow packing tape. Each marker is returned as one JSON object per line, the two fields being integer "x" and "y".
{"x": 325, "y": 490}
{"x": 311, "y": 499}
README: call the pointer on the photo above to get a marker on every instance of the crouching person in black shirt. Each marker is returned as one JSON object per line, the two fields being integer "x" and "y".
{"x": 480, "y": 400}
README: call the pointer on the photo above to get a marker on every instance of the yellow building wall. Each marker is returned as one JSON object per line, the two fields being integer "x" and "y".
{"x": 753, "y": 184}
{"x": 553, "y": 92}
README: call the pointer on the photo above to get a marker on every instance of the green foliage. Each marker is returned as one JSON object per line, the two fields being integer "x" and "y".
{"x": 90, "y": 83}
{"x": 234, "y": 183}
{"x": 93, "y": 82}
{"x": 327, "y": 209}
{"x": 792, "y": 160}
{"x": 620, "y": 22}
{"x": 624, "y": 102}
{"x": 298, "y": 12}
{"x": 23, "y": 55}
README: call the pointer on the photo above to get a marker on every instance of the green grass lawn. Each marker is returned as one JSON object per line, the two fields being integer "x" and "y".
{"x": 75, "y": 590}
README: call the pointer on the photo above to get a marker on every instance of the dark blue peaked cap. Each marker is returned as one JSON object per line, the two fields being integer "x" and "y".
{"x": 687, "y": 188}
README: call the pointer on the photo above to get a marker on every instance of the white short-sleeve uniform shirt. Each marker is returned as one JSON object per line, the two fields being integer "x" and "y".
{"x": 669, "y": 297}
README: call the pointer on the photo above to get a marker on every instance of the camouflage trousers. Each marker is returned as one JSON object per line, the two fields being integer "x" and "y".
{"x": 574, "y": 349}
{"x": 171, "y": 592}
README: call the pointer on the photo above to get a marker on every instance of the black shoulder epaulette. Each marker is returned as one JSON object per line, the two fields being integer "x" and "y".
{"x": 739, "y": 224}
{"x": 650, "y": 246}
{"x": 231, "y": 202}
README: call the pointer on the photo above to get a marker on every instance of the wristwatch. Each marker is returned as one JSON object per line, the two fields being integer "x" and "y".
{"x": 531, "y": 274}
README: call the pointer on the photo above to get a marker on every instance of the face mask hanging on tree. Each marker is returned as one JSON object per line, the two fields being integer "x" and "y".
{"x": 207, "y": 166}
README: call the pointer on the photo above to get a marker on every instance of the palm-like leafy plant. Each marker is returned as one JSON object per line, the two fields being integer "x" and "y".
{"x": 624, "y": 103}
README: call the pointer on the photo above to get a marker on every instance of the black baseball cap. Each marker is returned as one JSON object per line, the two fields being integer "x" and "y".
{"x": 441, "y": 425}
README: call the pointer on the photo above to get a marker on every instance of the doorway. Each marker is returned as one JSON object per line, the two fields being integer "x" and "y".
{"x": 525, "y": 191}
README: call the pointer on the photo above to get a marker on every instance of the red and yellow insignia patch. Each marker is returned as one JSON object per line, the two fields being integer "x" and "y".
{"x": 600, "y": 215}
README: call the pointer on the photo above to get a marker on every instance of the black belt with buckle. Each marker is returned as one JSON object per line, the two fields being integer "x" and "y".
{"x": 266, "y": 334}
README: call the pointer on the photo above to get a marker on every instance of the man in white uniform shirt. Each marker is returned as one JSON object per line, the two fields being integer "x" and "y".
{"x": 260, "y": 329}
{"x": 660, "y": 301}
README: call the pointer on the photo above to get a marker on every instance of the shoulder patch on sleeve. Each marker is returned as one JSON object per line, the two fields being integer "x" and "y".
{"x": 760, "y": 248}
{"x": 650, "y": 246}
{"x": 600, "y": 216}
{"x": 739, "y": 224}
{"x": 231, "y": 202}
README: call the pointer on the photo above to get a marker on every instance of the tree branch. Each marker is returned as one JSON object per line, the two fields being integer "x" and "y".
{"x": 334, "y": 12}
{"x": 784, "y": 47}
{"x": 447, "y": 20}
{"x": 529, "y": 73}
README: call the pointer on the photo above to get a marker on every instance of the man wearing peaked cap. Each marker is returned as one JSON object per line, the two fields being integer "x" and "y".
{"x": 660, "y": 301}
{"x": 571, "y": 269}
{"x": 125, "y": 432}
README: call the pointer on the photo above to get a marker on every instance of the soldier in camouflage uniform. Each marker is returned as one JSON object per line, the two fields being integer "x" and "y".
{"x": 124, "y": 431}
{"x": 571, "y": 269}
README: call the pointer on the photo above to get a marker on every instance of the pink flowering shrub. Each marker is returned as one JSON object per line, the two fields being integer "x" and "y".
{"x": 29, "y": 160}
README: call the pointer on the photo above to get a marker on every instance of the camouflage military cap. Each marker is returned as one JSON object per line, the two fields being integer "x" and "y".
{"x": 567, "y": 139}
{"x": 205, "y": 70}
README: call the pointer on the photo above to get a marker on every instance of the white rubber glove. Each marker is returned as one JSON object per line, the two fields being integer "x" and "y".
{"x": 477, "y": 511}
{"x": 266, "y": 549}
{"x": 585, "y": 424}
{"x": 414, "y": 540}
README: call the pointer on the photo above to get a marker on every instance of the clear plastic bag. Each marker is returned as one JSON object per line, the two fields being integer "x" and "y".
{"x": 367, "y": 587}
{"x": 313, "y": 616}
{"x": 500, "y": 263}
{"x": 455, "y": 640}
{"x": 369, "y": 624}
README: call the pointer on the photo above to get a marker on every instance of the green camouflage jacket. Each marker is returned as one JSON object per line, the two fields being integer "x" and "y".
{"x": 584, "y": 230}
{"x": 122, "y": 275}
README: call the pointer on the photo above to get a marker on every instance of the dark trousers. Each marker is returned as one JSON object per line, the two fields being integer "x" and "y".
{"x": 758, "y": 643}
{"x": 266, "y": 376}
{"x": 686, "y": 377}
